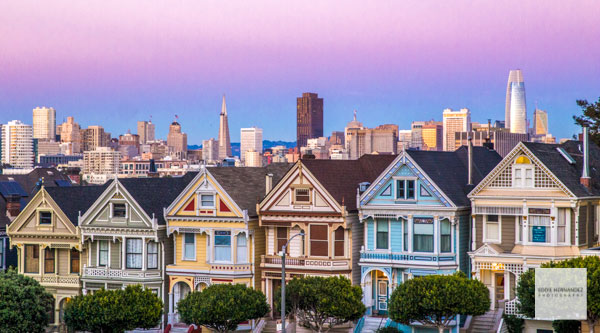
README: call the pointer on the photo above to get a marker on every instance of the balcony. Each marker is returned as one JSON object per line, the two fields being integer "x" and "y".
{"x": 409, "y": 259}
{"x": 57, "y": 280}
{"x": 306, "y": 263}
{"x": 108, "y": 273}
{"x": 233, "y": 268}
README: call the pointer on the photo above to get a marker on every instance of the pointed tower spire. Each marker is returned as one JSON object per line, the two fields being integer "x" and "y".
{"x": 224, "y": 106}
{"x": 224, "y": 142}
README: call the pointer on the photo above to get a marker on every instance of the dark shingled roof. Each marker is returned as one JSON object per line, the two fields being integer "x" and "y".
{"x": 246, "y": 185}
{"x": 75, "y": 199}
{"x": 341, "y": 177}
{"x": 154, "y": 194}
{"x": 569, "y": 174}
{"x": 450, "y": 172}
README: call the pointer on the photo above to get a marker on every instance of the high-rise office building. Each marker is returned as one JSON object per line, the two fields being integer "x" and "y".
{"x": 100, "y": 165}
{"x": 17, "y": 145}
{"x": 146, "y": 131}
{"x": 309, "y": 118}
{"x": 94, "y": 137}
{"x": 70, "y": 136}
{"x": 250, "y": 139}
{"x": 44, "y": 123}
{"x": 210, "y": 150}
{"x": 455, "y": 121}
{"x": 224, "y": 141}
{"x": 432, "y": 134}
{"x": 337, "y": 138}
{"x": 540, "y": 122}
{"x": 515, "y": 109}
{"x": 361, "y": 140}
{"x": 177, "y": 140}
{"x": 416, "y": 140}
{"x": 252, "y": 158}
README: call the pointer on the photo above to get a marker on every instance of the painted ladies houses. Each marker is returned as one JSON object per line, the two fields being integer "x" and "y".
{"x": 416, "y": 218}
{"x": 317, "y": 198}
{"x": 214, "y": 225}
{"x": 539, "y": 204}
{"x": 125, "y": 232}
{"x": 48, "y": 240}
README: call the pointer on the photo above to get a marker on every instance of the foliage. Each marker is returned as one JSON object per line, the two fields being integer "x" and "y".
{"x": 25, "y": 306}
{"x": 513, "y": 323}
{"x": 320, "y": 303}
{"x": 566, "y": 326}
{"x": 436, "y": 300}
{"x": 114, "y": 310}
{"x": 526, "y": 294}
{"x": 388, "y": 329}
{"x": 222, "y": 307}
{"x": 591, "y": 118}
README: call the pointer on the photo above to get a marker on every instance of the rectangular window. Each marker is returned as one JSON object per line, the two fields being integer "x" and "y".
{"x": 133, "y": 253}
{"x": 119, "y": 210}
{"x": 410, "y": 189}
{"x": 207, "y": 200}
{"x": 519, "y": 220}
{"x": 518, "y": 177}
{"x": 302, "y": 195}
{"x": 222, "y": 245}
{"x": 152, "y": 255}
{"x": 103, "y": 253}
{"x": 45, "y": 218}
{"x": 49, "y": 260}
{"x": 405, "y": 189}
{"x": 242, "y": 249}
{"x": 423, "y": 235}
{"x": 382, "y": 234}
{"x": 32, "y": 259}
{"x": 74, "y": 261}
{"x": 281, "y": 238}
{"x": 400, "y": 189}
{"x": 539, "y": 228}
{"x": 318, "y": 241}
{"x": 492, "y": 228}
{"x": 528, "y": 177}
{"x": 189, "y": 246}
{"x": 338, "y": 247}
{"x": 562, "y": 225}
{"x": 405, "y": 238}
{"x": 445, "y": 236}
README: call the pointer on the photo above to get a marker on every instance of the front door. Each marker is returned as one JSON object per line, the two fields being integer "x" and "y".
{"x": 276, "y": 289}
{"x": 499, "y": 286}
{"x": 382, "y": 296}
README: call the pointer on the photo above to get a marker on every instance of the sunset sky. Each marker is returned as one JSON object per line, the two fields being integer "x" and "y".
{"x": 112, "y": 63}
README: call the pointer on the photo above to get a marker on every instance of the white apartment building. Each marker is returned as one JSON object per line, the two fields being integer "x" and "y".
{"x": 100, "y": 164}
{"x": 17, "y": 145}
{"x": 252, "y": 158}
{"x": 251, "y": 139}
{"x": 44, "y": 123}
{"x": 210, "y": 151}
{"x": 455, "y": 121}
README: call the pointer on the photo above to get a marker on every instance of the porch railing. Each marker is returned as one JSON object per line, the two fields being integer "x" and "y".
{"x": 377, "y": 256}
{"x": 321, "y": 264}
{"x": 118, "y": 273}
{"x": 57, "y": 279}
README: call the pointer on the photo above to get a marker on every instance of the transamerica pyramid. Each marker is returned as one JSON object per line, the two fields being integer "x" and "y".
{"x": 224, "y": 142}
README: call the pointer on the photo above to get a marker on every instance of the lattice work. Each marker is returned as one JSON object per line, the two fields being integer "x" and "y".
{"x": 497, "y": 210}
{"x": 201, "y": 279}
{"x": 542, "y": 180}
{"x": 504, "y": 179}
{"x": 516, "y": 269}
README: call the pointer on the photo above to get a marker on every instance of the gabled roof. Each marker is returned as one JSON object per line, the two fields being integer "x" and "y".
{"x": 246, "y": 185}
{"x": 449, "y": 170}
{"x": 74, "y": 200}
{"x": 341, "y": 177}
{"x": 569, "y": 174}
{"x": 154, "y": 194}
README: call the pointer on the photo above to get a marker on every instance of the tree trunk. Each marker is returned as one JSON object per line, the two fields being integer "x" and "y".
{"x": 441, "y": 329}
{"x": 591, "y": 324}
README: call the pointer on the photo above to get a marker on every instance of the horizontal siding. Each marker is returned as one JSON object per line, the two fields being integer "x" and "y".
{"x": 296, "y": 244}
{"x": 115, "y": 254}
{"x": 94, "y": 248}
{"x": 62, "y": 256}
{"x": 396, "y": 235}
{"x": 478, "y": 231}
{"x": 356, "y": 240}
{"x": 370, "y": 235}
{"x": 271, "y": 240}
{"x": 508, "y": 233}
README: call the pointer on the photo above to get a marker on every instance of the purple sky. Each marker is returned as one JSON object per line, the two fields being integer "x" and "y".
{"x": 112, "y": 63}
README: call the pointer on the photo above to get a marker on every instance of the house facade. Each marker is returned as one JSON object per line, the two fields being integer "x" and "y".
{"x": 125, "y": 233}
{"x": 215, "y": 232}
{"x": 317, "y": 198}
{"x": 539, "y": 204}
{"x": 416, "y": 218}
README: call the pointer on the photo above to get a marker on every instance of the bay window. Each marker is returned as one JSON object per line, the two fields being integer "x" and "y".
{"x": 189, "y": 246}
{"x": 562, "y": 225}
{"x": 338, "y": 246}
{"x": 74, "y": 261}
{"x": 102, "y": 253}
{"x": 152, "y": 255}
{"x": 492, "y": 228}
{"x": 539, "y": 228}
{"x": 382, "y": 234}
{"x": 32, "y": 258}
{"x": 423, "y": 235}
{"x": 445, "y": 236}
{"x": 241, "y": 249}
{"x": 318, "y": 241}
{"x": 133, "y": 253}
{"x": 405, "y": 238}
{"x": 49, "y": 260}
{"x": 223, "y": 245}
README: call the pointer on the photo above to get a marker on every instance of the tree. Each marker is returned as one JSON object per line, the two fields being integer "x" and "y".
{"x": 320, "y": 303}
{"x": 436, "y": 300}
{"x": 108, "y": 311}
{"x": 591, "y": 118}
{"x": 25, "y": 306}
{"x": 526, "y": 290}
{"x": 222, "y": 307}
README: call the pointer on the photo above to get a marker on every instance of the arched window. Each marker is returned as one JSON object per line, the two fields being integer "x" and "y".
{"x": 523, "y": 172}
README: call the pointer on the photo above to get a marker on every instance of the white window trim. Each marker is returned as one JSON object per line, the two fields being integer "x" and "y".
{"x": 553, "y": 232}
{"x": 118, "y": 219}
{"x": 244, "y": 234}
{"x": 411, "y": 235}
{"x": 39, "y": 212}
{"x": 416, "y": 188}
{"x": 523, "y": 168}
{"x": 148, "y": 254}
{"x": 199, "y": 199}
{"x": 389, "y": 248}
{"x": 98, "y": 253}
{"x": 214, "y": 247}
{"x": 328, "y": 241}
{"x": 183, "y": 257}
{"x": 80, "y": 267}
{"x": 439, "y": 228}
{"x": 492, "y": 241}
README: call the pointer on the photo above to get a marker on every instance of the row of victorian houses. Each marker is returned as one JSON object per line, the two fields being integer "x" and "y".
{"x": 379, "y": 220}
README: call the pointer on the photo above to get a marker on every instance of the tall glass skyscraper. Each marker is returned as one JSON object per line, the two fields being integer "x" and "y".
{"x": 516, "y": 110}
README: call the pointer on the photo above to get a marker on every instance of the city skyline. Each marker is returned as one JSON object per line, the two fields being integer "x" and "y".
{"x": 165, "y": 61}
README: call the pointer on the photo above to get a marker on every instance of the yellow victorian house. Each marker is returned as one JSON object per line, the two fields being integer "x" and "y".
{"x": 48, "y": 240}
{"x": 214, "y": 225}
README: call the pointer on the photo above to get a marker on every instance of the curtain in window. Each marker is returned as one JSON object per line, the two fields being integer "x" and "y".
{"x": 338, "y": 246}
{"x": 103, "y": 253}
{"x": 32, "y": 259}
{"x": 152, "y": 255}
{"x": 49, "y": 260}
{"x": 74, "y": 261}
{"x": 492, "y": 227}
{"x": 242, "y": 249}
{"x": 562, "y": 224}
{"x": 222, "y": 245}
{"x": 382, "y": 234}
{"x": 134, "y": 253}
{"x": 189, "y": 247}
{"x": 318, "y": 240}
{"x": 445, "y": 236}
{"x": 281, "y": 238}
{"x": 423, "y": 235}
{"x": 541, "y": 225}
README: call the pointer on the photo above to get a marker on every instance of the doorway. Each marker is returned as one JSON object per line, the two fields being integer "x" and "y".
{"x": 499, "y": 286}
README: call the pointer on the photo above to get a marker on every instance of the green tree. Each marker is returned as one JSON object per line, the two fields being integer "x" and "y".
{"x": 590, "y": 117}
{"x": 320, "y": 303}
{"x": 526, "y": 290}
{"x": 114, "y": 311}
{"x": 222, "y": 307}
{"x": 436, "y": 300}
{"x": 25, "y": 306}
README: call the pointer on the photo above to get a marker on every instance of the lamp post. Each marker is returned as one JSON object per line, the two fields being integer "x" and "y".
{"x": 283, "y": 281}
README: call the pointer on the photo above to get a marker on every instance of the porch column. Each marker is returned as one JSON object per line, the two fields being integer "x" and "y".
{"x": 144, "y": 254}
{"x": 123, "y": 254}
{"x": 89, "y": 251}
{"x": 170, "y": 316}
{"x": 506, "y": 285}
{"x": 109, "y": 255}
{"x": 473, "y": 233}
{"x": 436, "y": 235}
{"x": 410, "y": 233}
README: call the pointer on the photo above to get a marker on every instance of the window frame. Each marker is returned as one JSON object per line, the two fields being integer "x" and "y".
{"x": 485, "y": 231}
{"x": 71, "y": 251}
{"x": 148, "y": 254}
{"x": 387, "y": 238}
{"x": 35, "y": 256}
{"x": 237, "y": 248}
{"x": 215, "y": 246}
{"x": 336, "y": 241}
{"x": 39, "y": 221}
{"x": 405, "y": 188}
{"x": 112, "y": 210}
{"x": 100, "y": 250}
{"x": 310, "y": 240}
{"x": 201, "y": 200}
{"x": 52, "y": 251}
{"x": 128, "y": 254}
{"x": 414, "y": 234}
{"x": 449, "y": 235}
{"x": 308, "y": 194}
{"x": 183, "y": 246}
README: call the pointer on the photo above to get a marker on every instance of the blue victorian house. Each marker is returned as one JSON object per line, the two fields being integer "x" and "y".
{"x": 416, "y": 219}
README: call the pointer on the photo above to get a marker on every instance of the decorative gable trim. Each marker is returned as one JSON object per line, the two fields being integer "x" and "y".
{"x": 487, "y": 250}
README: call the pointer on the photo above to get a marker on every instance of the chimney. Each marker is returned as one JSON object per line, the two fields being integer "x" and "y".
{"x": 470, "y": 160}
{"x": 13, "y": 206}
{"x": 585, "y": 179}
{"x": 268, "y": 183}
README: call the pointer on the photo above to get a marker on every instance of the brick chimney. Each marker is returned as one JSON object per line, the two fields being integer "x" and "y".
{"x": 268, "y": 183}
{"x": 585, "y": 179}
{"x": 13, "y": 206}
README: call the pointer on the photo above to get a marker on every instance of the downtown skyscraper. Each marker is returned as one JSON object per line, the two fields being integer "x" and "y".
{"x": 309, "y": 122}
{"x": 516, "y": 109}
{"x": 224, "y": 141}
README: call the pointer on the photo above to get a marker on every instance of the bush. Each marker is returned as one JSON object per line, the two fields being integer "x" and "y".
{"x": 513, "y": 323}
{"x": 388, "y": 329}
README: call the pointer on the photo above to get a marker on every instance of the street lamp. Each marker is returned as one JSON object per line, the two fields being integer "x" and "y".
{"x": 283, "y": 281}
